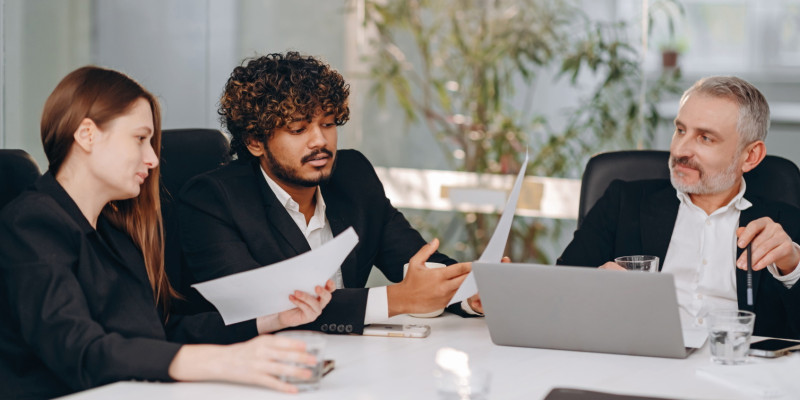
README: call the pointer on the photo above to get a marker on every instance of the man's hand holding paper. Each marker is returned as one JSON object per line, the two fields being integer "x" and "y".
{"x": 309, "y": 307}
{"x": 274, "y": 289}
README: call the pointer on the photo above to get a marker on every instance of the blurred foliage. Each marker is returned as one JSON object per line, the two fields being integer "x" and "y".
{"x": 467, "y": 69}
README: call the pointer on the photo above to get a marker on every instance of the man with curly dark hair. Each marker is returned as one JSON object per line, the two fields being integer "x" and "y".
{"x": 289, "y": 190}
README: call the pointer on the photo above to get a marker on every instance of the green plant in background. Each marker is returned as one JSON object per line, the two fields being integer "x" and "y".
{"x": 467, "y": 70}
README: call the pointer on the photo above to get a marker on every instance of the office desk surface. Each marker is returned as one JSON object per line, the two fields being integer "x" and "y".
{"x": 401, "y": 368}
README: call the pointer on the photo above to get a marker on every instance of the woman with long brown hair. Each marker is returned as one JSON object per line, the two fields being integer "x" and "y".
{"x": 85, "y": 296}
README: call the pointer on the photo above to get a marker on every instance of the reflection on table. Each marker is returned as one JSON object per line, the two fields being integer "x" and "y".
{"x": 402, "y": 368}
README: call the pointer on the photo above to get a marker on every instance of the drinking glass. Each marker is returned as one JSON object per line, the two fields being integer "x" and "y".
{"x": 638, "y": 263}
{"x": 315, "y": 345}
{"x": 729, "y": 334}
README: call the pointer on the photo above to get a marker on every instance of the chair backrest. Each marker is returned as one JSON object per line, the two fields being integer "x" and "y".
{"x": 185, "y": 153}
{"x": 776, "y": 178}
{"x": 17, "y": 171}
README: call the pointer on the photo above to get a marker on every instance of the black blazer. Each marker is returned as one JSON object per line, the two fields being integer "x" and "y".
{"x": 231, "y": 221}
{"x": 77, "y": 309}
{"x": 639, "y": 217}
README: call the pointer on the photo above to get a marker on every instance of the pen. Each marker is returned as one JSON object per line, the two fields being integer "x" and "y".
{"x": 749, "y": 275}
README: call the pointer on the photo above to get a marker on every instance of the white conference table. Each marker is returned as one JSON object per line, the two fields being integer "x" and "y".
{"x": 402, "y": 368}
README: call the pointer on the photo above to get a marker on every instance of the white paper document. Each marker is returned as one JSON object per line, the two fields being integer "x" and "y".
{"x": 263, "y": 291}
{"x": 497, "y": 244}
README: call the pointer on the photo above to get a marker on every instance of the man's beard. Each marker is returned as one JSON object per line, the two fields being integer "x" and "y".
{"x": 290, "y": 175}
{"x": 706, "y": 184}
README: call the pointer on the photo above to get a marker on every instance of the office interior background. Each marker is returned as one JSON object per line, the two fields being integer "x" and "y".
{"x": 184, "y": 50}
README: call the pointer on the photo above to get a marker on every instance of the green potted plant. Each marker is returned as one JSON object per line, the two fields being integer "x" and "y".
{"x": 671, "y": 50}
{"x": 458, "y": 65}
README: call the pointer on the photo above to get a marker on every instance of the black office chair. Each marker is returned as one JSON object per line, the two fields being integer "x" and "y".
{"x": 18, "y": 170}
{"x": 776, "y": 178}
{"x": 185, "y": 153}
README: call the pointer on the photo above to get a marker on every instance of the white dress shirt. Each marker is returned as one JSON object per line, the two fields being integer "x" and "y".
{"x": 702, "y": 258}
{"x": 317, "y": 232}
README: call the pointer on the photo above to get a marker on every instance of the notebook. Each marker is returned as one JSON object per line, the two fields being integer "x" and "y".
{"x": 583, "y": 309}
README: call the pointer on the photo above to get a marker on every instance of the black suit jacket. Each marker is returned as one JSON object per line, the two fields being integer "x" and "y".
{"x": 231, "y": 221}
{"x": 639, "y": 217}
{"x": 77, "y": 309}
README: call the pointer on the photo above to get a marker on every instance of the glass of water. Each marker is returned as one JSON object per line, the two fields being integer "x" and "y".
{"x": 729, "y": 334}
{"x": 638, "y": 263}
{"x": 315, "y": 345}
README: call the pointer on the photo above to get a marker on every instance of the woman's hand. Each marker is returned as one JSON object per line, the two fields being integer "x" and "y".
{"x": 309, "y": 307}
{"x": 259, "y": 361}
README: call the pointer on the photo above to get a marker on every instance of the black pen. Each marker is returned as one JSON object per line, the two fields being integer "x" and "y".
{"x": 749, "y": 275}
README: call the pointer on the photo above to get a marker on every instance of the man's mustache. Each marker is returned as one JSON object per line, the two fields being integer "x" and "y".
{"x": 686, "y": 162}
{"x": 315, "y": 153}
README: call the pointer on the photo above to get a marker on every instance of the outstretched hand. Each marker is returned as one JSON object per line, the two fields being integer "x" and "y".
{"x": 424, "y": 290}
{"x": 259, "y": 361}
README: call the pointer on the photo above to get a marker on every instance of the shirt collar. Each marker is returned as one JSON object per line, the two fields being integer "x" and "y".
{"x": 288, "y": 202}
{"x": 738, "y": 201}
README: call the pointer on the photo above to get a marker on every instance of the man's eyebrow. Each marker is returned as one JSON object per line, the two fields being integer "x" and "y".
{"x": 712, "y": 131}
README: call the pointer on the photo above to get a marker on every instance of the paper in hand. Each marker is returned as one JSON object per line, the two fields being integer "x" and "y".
{"x": 497, "y": 244}
{"x": 263, "y": 291}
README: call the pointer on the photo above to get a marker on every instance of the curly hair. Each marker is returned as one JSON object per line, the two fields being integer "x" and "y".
{"x": 271, "y": 91}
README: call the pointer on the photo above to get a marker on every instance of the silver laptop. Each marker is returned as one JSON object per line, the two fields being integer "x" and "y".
{"x": 581, "y": 309}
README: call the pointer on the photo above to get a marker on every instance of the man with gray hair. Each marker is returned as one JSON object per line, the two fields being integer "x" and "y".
{"x": 699, "y": 222}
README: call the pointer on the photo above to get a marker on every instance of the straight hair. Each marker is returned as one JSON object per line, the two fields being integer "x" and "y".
{"x": 102, "y": 95}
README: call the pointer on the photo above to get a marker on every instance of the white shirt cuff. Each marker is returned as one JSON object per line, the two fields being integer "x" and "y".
{"x": 377, "y": 305}
{"x": 788, "y": 280}
{"x": 467, "y": 309}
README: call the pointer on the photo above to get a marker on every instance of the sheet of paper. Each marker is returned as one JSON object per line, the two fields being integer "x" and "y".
{"x": 263, "y": 291}
{"x": 497, "y": 244}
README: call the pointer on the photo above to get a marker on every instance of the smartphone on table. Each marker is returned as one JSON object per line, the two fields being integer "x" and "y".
{"x": 772, "y": 348}
{"x": 397, "y": 330}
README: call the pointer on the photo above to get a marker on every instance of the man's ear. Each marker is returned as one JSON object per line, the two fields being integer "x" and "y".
{"x": 256, "y": 147}
{"x": 86, "y": 135}
{"x": 754, "y": 154}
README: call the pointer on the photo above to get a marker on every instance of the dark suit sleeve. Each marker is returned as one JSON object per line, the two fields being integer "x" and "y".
{"x": 39, "y": 249}
{"x": 214, "y": 247}
{"x": 210, "y": 241}
{"x": 778, "y": 307}
{"x": 399, "y": 241}
{"x": 208, "y": 327}
{"x": 594, "y": 241}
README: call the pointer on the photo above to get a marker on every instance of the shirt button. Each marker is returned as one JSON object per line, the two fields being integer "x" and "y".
{"x": 699, "y": 320}
{"x": 705, "y": 262}
{"x": 708, "y": 221}
{"x": 699, "y": 296}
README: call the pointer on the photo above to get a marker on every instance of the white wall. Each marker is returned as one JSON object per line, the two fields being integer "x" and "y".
{"x": 42, "y": 40}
